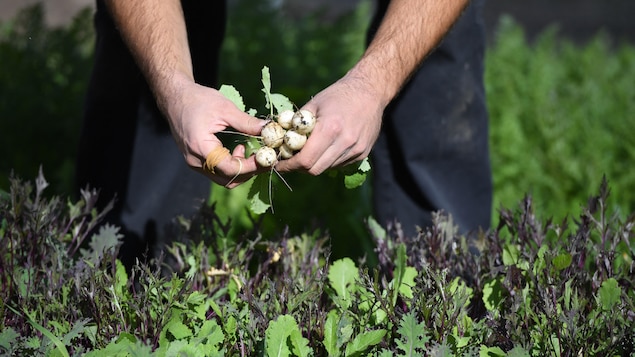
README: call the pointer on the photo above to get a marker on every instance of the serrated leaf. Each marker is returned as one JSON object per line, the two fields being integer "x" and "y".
{"x": 281, "y": 102}
{"x": 212, "y": 332}
{"x": 364, "y": 166}
{"x": 609, "y": 293}
{"x": 363, "y": 341}
{"x": 299, "y": 344}
{"x": 233, "y": 95}
{"x": 102, "y": 243}
{"x": 354, "y": 180}
{"x": 7, "y": 338}
{"x": 178, "y": 329}
{"x": 413, "y": 335}
{"x": 342, "y": 276}
{"x": 356, "y": 176}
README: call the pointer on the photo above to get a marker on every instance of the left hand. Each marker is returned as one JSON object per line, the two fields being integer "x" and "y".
{"x": 349, "y": 114}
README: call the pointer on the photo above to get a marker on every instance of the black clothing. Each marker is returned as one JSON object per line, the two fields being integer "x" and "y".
{"x": 126, "y": 148}
{"x": 432, "y": 153}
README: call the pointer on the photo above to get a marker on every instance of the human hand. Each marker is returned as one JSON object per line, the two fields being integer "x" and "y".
{"x": 196, "y": 113}
{"x": 349, "y": 114}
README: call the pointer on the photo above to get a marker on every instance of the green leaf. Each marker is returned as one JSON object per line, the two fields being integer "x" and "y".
{"x": 330, "y": 333}
{"x": 258, "y": 195}
{"x": 61, "y": 348}
{"x": 357, "y": 178}
{"x": 121, "y": 278}
{"x": 413, "y": 335}
{"x": 562, "y": 261}
{"x": 299, "y": 344}
{"x": 610, "y": 293}
{"x": 491, "y": 351}
{"x": 398, "y": 271}
{"x": 363, "y": 341}
{"x": 511, "y": 253}
{"x": 281, "y": 102}
{"x": 8, "y": 337}
{"x": 233, "y": 95}
{"x": 354, "y": 180}
{"x": 408, "y": 282}
{"x": 493, "y": 293}
{"x": 342, "y": 276}
{"x": 178, "y": 329}
{"x": 518, "y": 352}
{"x": 266, "y": 87}
{"x": 212, "y": 333}
{"x": 277, "y": 334}
{"x": 376, "y": 229}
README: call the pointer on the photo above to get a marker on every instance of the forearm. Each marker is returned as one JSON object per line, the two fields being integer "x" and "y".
{"x": 155, "y": 33}
{"x": 410, "y": 30}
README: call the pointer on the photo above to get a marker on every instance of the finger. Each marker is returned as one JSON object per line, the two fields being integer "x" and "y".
{"x": 227, "y": 169}
{"x": 246, "y": 124}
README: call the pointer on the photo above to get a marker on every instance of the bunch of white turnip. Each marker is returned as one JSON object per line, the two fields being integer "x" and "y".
{"x": 284, "y": 136}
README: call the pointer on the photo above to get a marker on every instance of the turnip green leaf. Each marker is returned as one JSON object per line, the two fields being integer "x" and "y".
{"x": 233, "y": 95}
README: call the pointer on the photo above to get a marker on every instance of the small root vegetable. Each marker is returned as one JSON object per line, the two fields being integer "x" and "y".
{"x": 285, "y": 152}
{"x": 266, "y": 156}
{"x": 303, "y": 121}
{"x": 285, "y": 118}
{"x": 272, "y": 134}
{"x": 294, "y": 140}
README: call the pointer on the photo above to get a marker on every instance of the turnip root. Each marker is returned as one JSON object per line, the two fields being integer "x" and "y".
{"x": 285, "y": 152}
{"x": 303, "y": 121}
{"x": 294, "y": 140}
{"x": 266, "y": 156}
{"x": 285, "y": 118}
{"x": 272, "y": 134}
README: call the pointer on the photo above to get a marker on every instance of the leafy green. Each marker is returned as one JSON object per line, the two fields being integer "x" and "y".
{"x": 233, "y": 95}
{"x": 282, "y": 331}
{"x": 413, "y": 336}
{"x": 609, "y": 293}
{"x": 342, "y": 277}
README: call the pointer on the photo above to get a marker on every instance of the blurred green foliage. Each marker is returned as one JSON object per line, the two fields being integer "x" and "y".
{"x": 43, "y": 76}
{"x": 561, "y": 114}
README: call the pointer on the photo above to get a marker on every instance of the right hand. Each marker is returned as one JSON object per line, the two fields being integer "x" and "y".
{"x": 196, "y": 114}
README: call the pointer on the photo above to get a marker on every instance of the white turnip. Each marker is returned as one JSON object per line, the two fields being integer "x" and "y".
{"x": 285, "y": 118}
{"x": 294, "y": 140}
{"x": 303, "y": 121}
{"x": 272, "y": 134}
{"x": 266, "y": 156}
{"x": 285, "y": 152}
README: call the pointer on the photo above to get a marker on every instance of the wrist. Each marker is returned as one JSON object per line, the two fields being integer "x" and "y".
{"x": 170, "y": 93}
{"x": 376, "y": 79}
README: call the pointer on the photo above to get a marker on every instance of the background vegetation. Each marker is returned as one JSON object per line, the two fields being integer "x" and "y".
{"x": 561, "y": 114}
